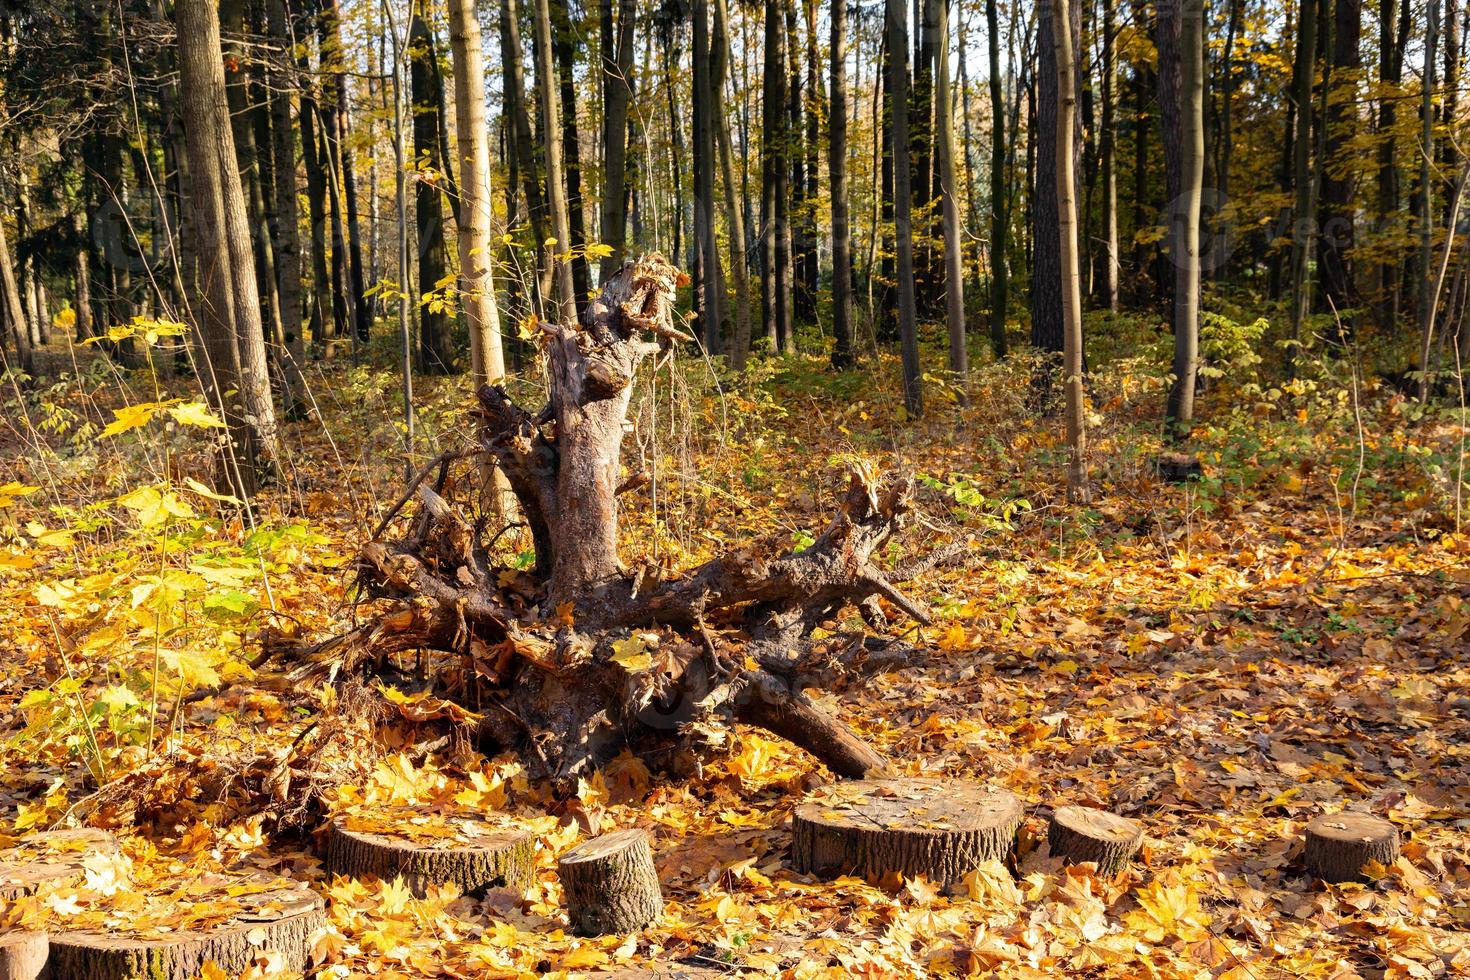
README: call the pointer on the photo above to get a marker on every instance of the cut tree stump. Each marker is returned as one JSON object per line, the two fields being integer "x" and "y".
{"x": 941, "y": 829}
{"x": 1341, "y": 845}
{"x": 1079, "y": 834}
{"x": 53, "y": 856}
{"x": 1178, "y": 467}
{"x": 486, "y": 857}
{"x": 611, "y": 884}
{"x": 280, "y": 920}
{"x": 23, "y": 955}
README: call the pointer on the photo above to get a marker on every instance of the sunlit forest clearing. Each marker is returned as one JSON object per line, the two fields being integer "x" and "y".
{"x": 701, "y": 489}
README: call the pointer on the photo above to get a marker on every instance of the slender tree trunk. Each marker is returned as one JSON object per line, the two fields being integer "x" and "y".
{"x": 1047, "y": 313}
{"x": 229, "y": 320}
{"x": 1426, "y": 207}
{"x": 734, "y": 213}
{"x": 285, "y": 224}
{"x": 1185, "y": 216}
{"x": 13, "y": 311}
{"x": 316, "y": 200}
{"x": 1302, "y": 77}
{"x": 1168, "y": 30}
{"x": 436, "y": 347}
{"x": 82, "y": 279}
{"x": 617, "y": 95}
{"x": 1065, "y": 59}
{"x": 842, "y": 325}
{"x": 551, "y": 138}
{"x": 1338, "y": 204}
{"x": 898, "y": 44}
{"x": 954, "y": 246}
{"x": 1000, "y": 217}
{"x": 1107, "y": 152}
{"x": 515, "y": 100}
{"x": 476, "y": 278}
{"x": 774, "y": 293}
{"x": 709, "y": 295}
{"x": 921, "y": 143}
{"x": 565, "y": 56}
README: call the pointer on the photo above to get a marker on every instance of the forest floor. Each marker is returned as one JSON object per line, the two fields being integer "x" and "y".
{"x": 1220, "y": 660}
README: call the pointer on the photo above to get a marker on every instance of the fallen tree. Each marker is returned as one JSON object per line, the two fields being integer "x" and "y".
{"x": 578, "y": 657}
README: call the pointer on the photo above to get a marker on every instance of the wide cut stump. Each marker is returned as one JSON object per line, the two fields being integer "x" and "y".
{"x": 941, "y": 829}
{"x": 23, "y": 955}
{"x": 611, "y": 884}
{"x": 480, "y": 858}
{"x": 54, "y": 856}
{"x": 279, "y": 920}
{"x": 1341, "y": 845}
{"x": 1080, "y": 834}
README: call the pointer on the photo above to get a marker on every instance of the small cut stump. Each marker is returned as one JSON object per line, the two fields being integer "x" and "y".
{"x": 277, "y": 921}
{"x": 1079, "y": 834}
{"x": 937, "y": 828}
{"x": 1341, "y": 845}
{"x": 485, "y": 857}
{"x": 611, "y": 884}
{"x": 1178, "y": 467}
{"x": 23, "y": 955}
{"x": 56, "y": 856}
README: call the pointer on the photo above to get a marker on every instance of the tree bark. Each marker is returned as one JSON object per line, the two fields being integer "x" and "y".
{"x": 1000, "y": 217}
{"x": 14, "y": 312}
{"x": 1185, "y": 215}
{"x": 611, "y": 884}
{"x": 476, "y": 278}
{"x": 617, "y": 94}
{"x": 230, "y": 317}
{"x": 954, "y": 246}
{"x": 436, "y": 346}
{"x": 1080, "y": 834}
{"x": 551, "y": 138}
{"x": 734, "y": 211}
{"x": 515, "y": 100}
{"x": 1066, "y": 191}
{"x": 842, "y": 323}
{"x": 1107, "y": 141}
{"x": 709, "y": 294}
{"x": 1426, "y": 284}
{"x": 897, "y": 29}
{"x": 565, "y": 56}
{"x": 285, "y": 216}
{"x": 484, "y": 857}
{"x": 1341, "y": 845}
{"x": 774, "y": 292}
{"x": 1303, "y": 210}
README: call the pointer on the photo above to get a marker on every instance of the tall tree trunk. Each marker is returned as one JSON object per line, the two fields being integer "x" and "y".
{"x": 1426, "y": 206}
{"x": 954, "y": 246}
{"x": 1338, "y": 173}
{"x": 921, "y": 143}
{"x": 229, "y": 320}
{"x": 1303, "y": 211}
{"x": 617, "y": 94}
{"x": 564, "y": 52}
{"x": 1000, "y": 217}
{"x": 476, "y": 279}
{"x": 1185, "y": 217}
{"x": 773, "y": 181}
{"x": 1219, "y": 258}
{"x": 898, "y": 45}
{"x": 285, "y": 219}
{"x": 13, "y": 312}
{"x": 734, "y": 212}
{"x": 1390, "y": 73}
{"x": 551, "y": 138}
{"x": 316, "y": 203}
{"x": 361, "y": 308}
{"x": 709, "y": 293}
{"x": 1065, "y": 59}
{"x": 525, "y": 154}
{"x": 1047, "y": 314}
{"x": 1167, "y": 33}
{"x": 842, "y": 325}
{"x": 436, "y": 346}
{"x": 1107, "y": 152}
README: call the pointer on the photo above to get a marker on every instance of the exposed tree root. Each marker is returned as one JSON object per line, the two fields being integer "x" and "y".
{"x": 579, "y": 658}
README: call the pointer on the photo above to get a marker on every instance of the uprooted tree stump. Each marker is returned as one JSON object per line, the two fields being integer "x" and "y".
{"x": 611, "y": 884}
{"x": 941, "y": 829}
{"x": 485, "y": 858}
{"x": 1079, "y": 834}
{"x": 279, "y": 921}
{"x": 572, "y": 660}
{"x": 53, "y": 856}
{"x": 23, "y": 955}
{"x": 1341, "y": 845}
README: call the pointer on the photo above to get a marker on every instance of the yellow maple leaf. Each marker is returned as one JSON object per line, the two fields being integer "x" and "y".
{"x": 131, "y": 417}
{"x": 1165, "y": 910}
{"x": 632, "y": 654}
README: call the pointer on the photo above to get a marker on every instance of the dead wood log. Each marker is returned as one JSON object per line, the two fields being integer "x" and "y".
{"x": 941, "y": 829}
{"x": 23, "y": 955}
{"x": 577, "y": 658}
{"x": 611, "y": 884}
{"x": 280, "y": 921}
{"x": 51, "y": 856}
{"x": 485, "y": 858}
{"x": 1341, "y": 845}
{"x": 1079, "y": 834}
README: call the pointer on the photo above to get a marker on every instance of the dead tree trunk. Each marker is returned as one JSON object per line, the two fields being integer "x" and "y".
{"x": 581, "y": 657}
